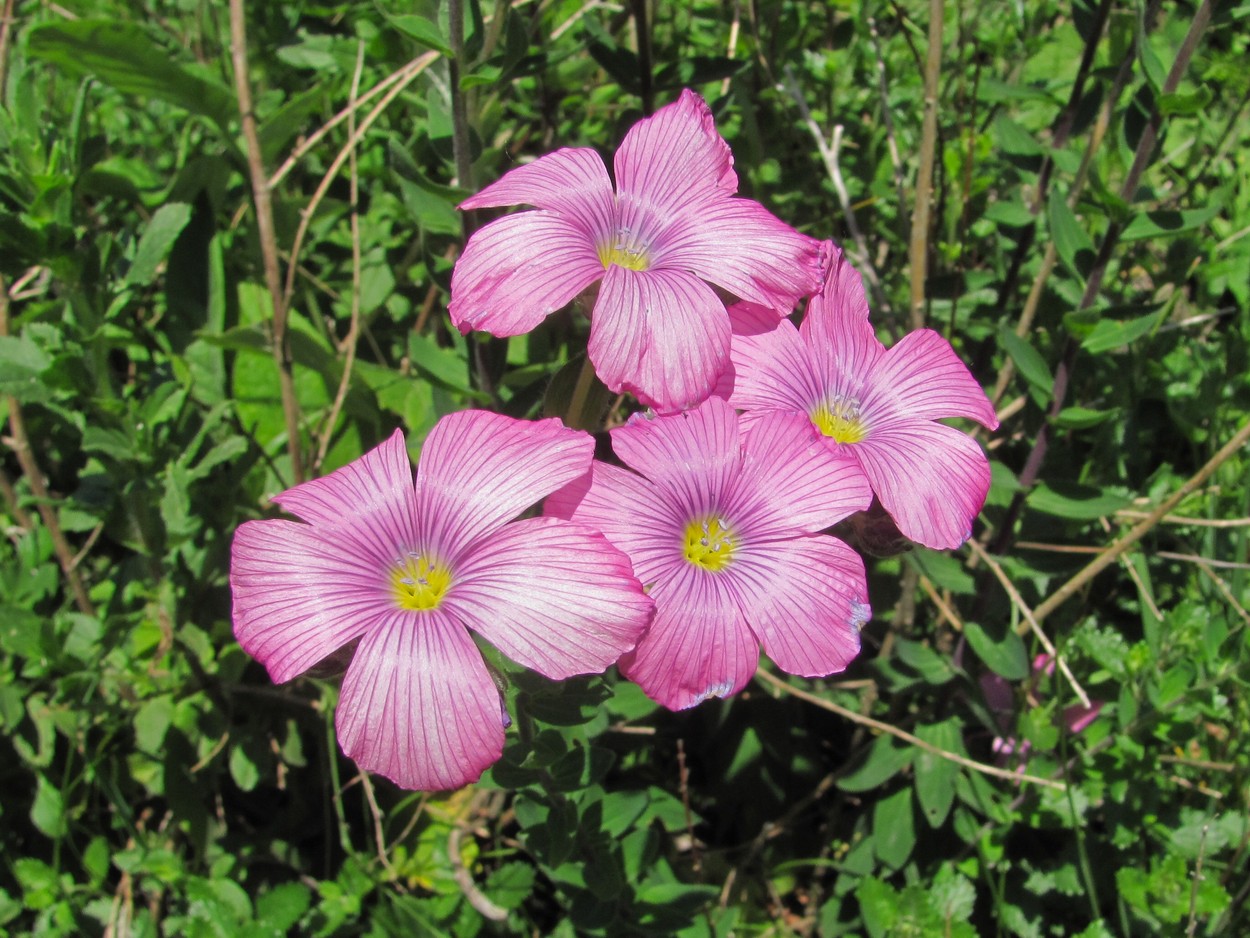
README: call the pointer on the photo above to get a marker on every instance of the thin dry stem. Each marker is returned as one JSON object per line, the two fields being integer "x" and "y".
{"x": 379, "y": 835}
{"x": 267, "y": 236}
{"x": 19, "y": 442}
{"x": 309, "y": 142}
{"x": 918, "y": 253}
{"x": 887, "y": 117}
{"x": 1142, "y": 589}
{"x": 323, "y": 187}
{"x": 1027, "y": 613}
{"x": 6, "y": 35}
{"x": 1225, "y": 591}
{"x": 907, "y": 737}
{"x": 829, "y": 155}
{"x": 943, "y": 607}
{"x": 464, "y": 880}
{"x": 353, "y": 330}
{"x": 1112, "y": 552}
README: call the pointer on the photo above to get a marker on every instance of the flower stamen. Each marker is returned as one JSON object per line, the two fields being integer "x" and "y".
{"x": 626, "y": 250}
{"x": 709, "y": 544}
{"x": 419, "y": 583}
{"x": 840, "y": 419}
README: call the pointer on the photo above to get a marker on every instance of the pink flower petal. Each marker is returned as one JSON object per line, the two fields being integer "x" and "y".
{"x": 674, "y": 159}
{"x": 371, "y": 496}
{"x": 931, "y": 478}
{"x": 772, "y": 368}
{"x": 807, "y": 599}
{"x": 418, "y": 704}
{"x": 661, "y": 334}
{"x": 519, "y": 269}
{"x": 300, "y": 595}
{"x": 698, "y": 646}
{"x": 610, "y": 499}
{"x": 739, "y": 245}
{"x": 552, "y": 595}
{"x": 480, "y": 470}
{"x": 694, "y": 455}
{"x": 571, "y": 181}
{"x": 841, "y": 300}
{"x": 921, "y": 377}
{"x": 792, "y": 482}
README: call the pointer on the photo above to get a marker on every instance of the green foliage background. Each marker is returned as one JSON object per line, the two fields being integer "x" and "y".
{"x": 1097, "y": 281}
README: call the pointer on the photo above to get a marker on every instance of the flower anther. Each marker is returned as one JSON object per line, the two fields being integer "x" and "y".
{"x": 709, "y": 544}
{"x": 625, "y": 250}
{"x": 419, "y": 583}
{"x": 840, "y": 419}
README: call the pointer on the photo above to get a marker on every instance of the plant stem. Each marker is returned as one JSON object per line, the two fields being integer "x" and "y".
{"x": 268, "y": 239}
{"x": 919, "y": 245}
{"x": 19, "y": 442}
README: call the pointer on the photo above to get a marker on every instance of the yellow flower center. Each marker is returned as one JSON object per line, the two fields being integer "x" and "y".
{"x": 709, "y": 544}
{"x": 625, "y": 250}
{"x": 418, "y": 583}
{"x": 840, "y": 419}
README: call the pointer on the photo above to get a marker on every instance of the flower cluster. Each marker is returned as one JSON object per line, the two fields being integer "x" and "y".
{"x": 704, "y": 541}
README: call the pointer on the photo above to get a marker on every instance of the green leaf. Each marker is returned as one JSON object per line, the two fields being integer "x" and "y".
{"x": 1014, "y": 139}
{"x": 1082, "y": 418}
{"x": 1075, "y": 502}
{"x": 1073, "y": 245}
{"x": 881, "y": 762}
{"x": 932, "y": 667}
{"x": 894, "y": 829}
{"x": 1111, "y": 334}
{"x": 1004, "y": 653}
{"x": 158, "y": 238}
{"x": 1177, "y": 102}
{"x": 47, "y": 812}
{"x": 1028, "y": 360}
{"x": 935, "y": 776}
{"x": 422, "y": 30}
{"x": 281, "y": 907}
{"x": 22, "y": 365}
{"x": 242, "y": 769}
{"x": 878, "y": 905}
{"x": 124, "y": 56}
{"x": 1163, "y": 223}
{"x": 510, "y": 885}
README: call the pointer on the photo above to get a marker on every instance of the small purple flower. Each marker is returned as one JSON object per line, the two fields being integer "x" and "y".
{"x": 723, "y": 528}
{"x": 410, "y": 569}
{"x": 671, "y": 227}
{"x": 877, "y": 406}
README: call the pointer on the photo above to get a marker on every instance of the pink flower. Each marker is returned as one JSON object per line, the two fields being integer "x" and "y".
{"x": 408, "y": 570}
{"x": 879, "y": 407}
{"x": 671, "y": 228}
{"x": 1001, "y": 700}
{"x": 723, "y": 530}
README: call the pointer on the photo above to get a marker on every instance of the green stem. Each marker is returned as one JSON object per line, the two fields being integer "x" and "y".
{"x": 577, "y": 416}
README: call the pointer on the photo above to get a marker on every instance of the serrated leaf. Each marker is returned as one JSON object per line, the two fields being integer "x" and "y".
{"x": 22, "y": 365}
{"x": 510, "y": 885}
